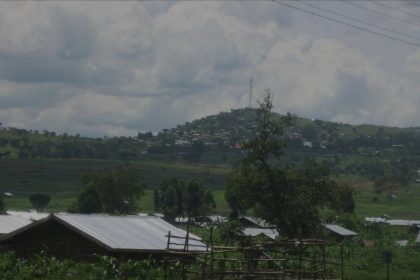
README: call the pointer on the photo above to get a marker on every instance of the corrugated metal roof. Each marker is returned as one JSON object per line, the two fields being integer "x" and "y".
{"x": 217, "y": 218}
{"x": 418, "y": 238}
{"x": 258, "y": 221}
{"x": 340, "y": 230}
{"x": 182, "y": 220}
{"x": 392, "y": 222}
{"x": 28, "y": 215}
{"x": 129, "y": 232}
{"x": 10, "y": 223}
{"x": 375, "y": 220}
{"x": 403, "y": 222}
{"x": 401, "y": 243}
{"x": 271, "y": 233}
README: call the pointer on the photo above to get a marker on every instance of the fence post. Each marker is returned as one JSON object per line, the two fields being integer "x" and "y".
{"x": 212, "y": 252}
{"x": 165, "y": 265}
{"x": 342, "y": 261}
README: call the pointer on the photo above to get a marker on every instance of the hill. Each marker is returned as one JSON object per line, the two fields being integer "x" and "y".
{"x": 379, "y": 161}
{"x": 369, "y": 151}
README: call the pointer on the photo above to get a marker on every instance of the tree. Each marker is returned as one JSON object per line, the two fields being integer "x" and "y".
{"x": 1, "y": 203}
{"x": 195, "y": 152}
{"x": 175, "y": 198}
{"x": 284, "y": 196}
{"x": 168, "y": 198}
{"x": 115, "y": 191}
{"x": 39, "y": 201}
{"x": 170, "y": 204}
{"x": 344, "y": 201}
{"x": 89, "y": 202}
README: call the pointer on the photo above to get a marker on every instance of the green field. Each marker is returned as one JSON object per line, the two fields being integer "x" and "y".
{"x": 62, "y": 180}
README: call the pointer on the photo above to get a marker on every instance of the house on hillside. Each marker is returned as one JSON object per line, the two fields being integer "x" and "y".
{"x": 80, "y": 237}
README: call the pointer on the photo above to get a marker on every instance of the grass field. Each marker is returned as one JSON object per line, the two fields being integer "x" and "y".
{"x": 62, "y": 180}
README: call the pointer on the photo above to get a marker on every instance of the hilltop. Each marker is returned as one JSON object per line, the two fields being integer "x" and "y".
{"x": 380, "y": 162}
{"x": 363, "y": 150}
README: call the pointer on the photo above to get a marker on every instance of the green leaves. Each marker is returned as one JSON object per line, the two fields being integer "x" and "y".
{"x": 114, "y": 191}
{"x": 286, "y": 197}
{"x": 176, "y": 198}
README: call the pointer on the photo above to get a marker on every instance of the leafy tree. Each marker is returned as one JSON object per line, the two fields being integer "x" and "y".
{"x": 195, "y": 152}
{"x": 175, "y": 198}
{"x": 89, "y": 202}
{"x": 197, "y": 201}
{"x": 170, "y": 192}
{"x": 170, "y": 204}
{"x": 1, "y": 203}
{"x": 39, "y": 201}
{"x": 114, "y": 191}
{"x": 286, "y": 197}
{"x": 157, "y": 201}
{"x": 344, "y": 200}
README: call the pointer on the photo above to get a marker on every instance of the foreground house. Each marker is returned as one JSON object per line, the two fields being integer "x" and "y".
{"x": 80, "y": 237}
{"x": 30, "y": 215}
{"x": 11, "y": 223}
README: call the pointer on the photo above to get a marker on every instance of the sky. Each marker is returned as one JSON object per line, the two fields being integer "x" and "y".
{"x": 115, "y": 68}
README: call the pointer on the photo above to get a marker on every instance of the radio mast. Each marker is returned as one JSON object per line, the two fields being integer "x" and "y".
{"x": 251, "y": 86}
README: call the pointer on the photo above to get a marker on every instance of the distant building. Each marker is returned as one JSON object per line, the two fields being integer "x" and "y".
{"x": 211, "y": 220}
{"x": 401, "y": 243}
{"x": 339, "y": 232}
{"x": 80, "y": 237}
{"x": 265, "y": 232}
{"x": 418, "y": 239}
{"x": 254, "y": 222}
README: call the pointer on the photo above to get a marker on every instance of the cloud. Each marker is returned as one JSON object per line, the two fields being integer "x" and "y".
{"x": 114, "y": 68}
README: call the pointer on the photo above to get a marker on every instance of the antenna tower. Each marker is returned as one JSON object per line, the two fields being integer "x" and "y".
{"x": 251, "y": 86}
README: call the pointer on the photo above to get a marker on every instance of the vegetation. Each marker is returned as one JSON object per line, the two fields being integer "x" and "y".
{"x": 106, "y": 268}
{"x": 110, "y": 191}
{"x": 286, "y": 197}
{"x": 178, "y": 199}
{"x": 359, "y": 262}
{"x": 39, "y": 201}
{"x": 1, "y": 203}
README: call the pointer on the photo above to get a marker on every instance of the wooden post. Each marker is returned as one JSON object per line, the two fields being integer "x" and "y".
{"x": 341, "y": 261}
{"x": 203, "y": 272}
{"x": 324, "y": 261}
{"x": 165, "y": 265}
{"x": 188, "y": 234}
{"x": 300, "y": 260}
{"x": 212, "y": 252}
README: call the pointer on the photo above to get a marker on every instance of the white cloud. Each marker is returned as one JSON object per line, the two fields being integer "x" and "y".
{"x": 112, "y": 68}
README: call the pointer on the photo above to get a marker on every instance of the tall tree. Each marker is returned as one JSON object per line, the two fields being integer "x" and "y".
{"x": 115, "y": 191}
{"x": 170, "y": 204}
{"x": 1, "y": 203}
{"x": 175, "y": 198}
{"x": 286, "y": 197}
